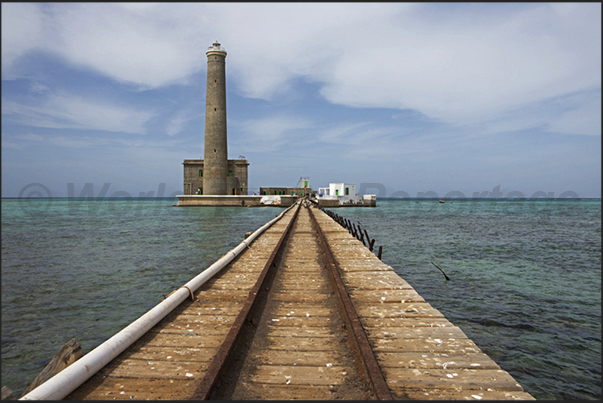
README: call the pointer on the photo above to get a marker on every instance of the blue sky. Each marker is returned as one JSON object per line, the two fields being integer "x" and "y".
{"x": 414, "y": 97}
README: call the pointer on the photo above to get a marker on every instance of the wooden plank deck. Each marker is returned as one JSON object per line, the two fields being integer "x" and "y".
{"x": 422, "y": 355}
{"x": 300, "y": 350}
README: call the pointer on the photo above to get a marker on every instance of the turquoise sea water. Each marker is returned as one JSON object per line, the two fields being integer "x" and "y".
{"x": 525, "y": 276}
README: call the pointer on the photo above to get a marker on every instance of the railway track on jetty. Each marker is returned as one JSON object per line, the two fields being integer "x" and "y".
{"x": 308, "y": 342}
{"x": 267, "y": 327}
{"x": 307, "y": 312}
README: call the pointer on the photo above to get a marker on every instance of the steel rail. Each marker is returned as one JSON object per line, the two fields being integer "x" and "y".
{"x": 360, "y": 340}
{"x": 205, "y": 389}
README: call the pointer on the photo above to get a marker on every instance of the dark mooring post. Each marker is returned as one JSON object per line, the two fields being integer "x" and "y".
{"x": 447, "y": 278}
{"x": 368, "y": 238}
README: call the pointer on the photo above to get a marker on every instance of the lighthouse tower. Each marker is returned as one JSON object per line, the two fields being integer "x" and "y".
{"x": 215, "y": 175}
{"x": 216, "y": 152}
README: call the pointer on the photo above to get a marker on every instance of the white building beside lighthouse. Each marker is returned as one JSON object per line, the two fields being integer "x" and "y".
{"x": 345, "y": 193}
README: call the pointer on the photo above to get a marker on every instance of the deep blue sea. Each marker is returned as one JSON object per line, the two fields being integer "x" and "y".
{"x": 525, "y": 276}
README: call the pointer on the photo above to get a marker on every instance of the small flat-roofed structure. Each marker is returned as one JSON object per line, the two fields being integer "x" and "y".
{"x": 290, "y": 191}
{"x": 339, "y": 194}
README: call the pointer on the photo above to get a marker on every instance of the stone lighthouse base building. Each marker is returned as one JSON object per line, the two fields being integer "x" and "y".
{"x": 236, "y": 178}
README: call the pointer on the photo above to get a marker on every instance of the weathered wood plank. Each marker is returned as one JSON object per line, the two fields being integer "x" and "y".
{"x": 306, "y": 278}
{"x": 402, "y": 393}
{"x": 161, "y": 353}
{"x": 406, "y": 310}
{"x": 302, "y": 309}
{"x": 208, "y": 326}
{"x": 385, "y": 296}
{"x": 305, "y": 282}
{"x": 369, "y": 322}
{"x": 291, "y": 392}
{"x": 300, "y": 296}
{"x": 69, "y": 353}
{"x": 349, "y": 266}
{"x": 448, "y": 332}
{"x": 435, "y": 360}
{"x": 302, "y": 343}
{"x": 423, "y": 378}
{"x": 7, "y": 394}
{"x": 167, "y": 369}
{"x": 222, "y": 295}
{"x": 300, "y": 357}
{"x": 112, "y": 388}
{"x": 175, "y": 341}
{"x": 298, "y": 321}
{"x": 301, "y": 375}
{"x": 305, "y": 331}
{"x": 426, "y": 344}
{"x": 369, "y": 277}
{"x": 231, "y": 309}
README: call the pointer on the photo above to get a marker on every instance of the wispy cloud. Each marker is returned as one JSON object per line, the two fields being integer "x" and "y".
{"x": 148, "y": 46}
{"x": 179, "y": 120}
{"x": 22, "y": 25}
{"x": 457, "y": 70}
{"x": 73, "y": 112}
{"x": 270, "y": 133}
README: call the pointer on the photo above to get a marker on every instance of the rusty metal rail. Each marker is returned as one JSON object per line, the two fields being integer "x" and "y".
{"x": 359, "y": 338}
{"x": 217, "y": 366}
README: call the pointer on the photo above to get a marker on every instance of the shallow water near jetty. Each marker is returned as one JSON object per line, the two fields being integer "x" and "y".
{"x": 525, "y": 276}
{"x": 525, "y": 280}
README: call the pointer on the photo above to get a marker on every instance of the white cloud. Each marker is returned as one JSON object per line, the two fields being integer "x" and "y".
{"x": 29, "y": 140}
{"x": 38, "y": 88}
{"x": 583, "y": 119}
{"x": 573, "y": 113}
{"x": 341, "y": 133}
{"x": 268, "y": 134}
{"x": 21, "y": 29}
{"x": 31, "y": 137}
{"x": 179, "y": 121}
{"x": 464, "y": 70}
{"x": 150, "y": 46}
{"x": 271, "y": 43}
{"x": 11, "y": 145}
{"x": 458, "y": 68}
{"x": 63, "y": 111}
{"x": 459, "y": 63}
